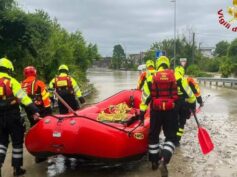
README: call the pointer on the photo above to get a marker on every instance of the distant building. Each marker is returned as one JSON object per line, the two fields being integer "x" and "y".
{"x": 103, "y": 63}
{"x": 137, "y": 58}
{"x": 207, "y": 51}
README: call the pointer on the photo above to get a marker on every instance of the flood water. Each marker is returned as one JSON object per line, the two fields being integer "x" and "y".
{"x": 218, "y": 117}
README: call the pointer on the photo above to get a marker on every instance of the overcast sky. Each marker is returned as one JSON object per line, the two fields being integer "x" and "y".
{"x": 136, "y": 24}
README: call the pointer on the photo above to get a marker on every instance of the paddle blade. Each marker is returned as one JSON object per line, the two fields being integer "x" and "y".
{"x": 205, "y": 141}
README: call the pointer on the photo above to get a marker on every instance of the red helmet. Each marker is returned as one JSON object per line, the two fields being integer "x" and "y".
{"x": 30, "y": 71}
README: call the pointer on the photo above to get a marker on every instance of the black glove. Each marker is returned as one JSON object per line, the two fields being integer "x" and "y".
{"x": 31, "y": 108}
{"x": 199, "y": 100}
{"x": 192, "y": 107}
{"x": 47, "y": 111}
{"x": 82, "y": 100}
{"x": 141, "y": 117}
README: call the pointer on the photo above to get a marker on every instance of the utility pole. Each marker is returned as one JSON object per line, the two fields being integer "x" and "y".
{"x": 193, "y": 48}
{"x": 174, "y": 32}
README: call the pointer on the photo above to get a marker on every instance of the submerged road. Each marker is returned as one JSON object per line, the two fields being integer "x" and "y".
{"x": 219, "y": 117}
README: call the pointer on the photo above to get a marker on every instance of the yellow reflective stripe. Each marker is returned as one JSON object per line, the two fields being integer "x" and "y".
{"x": 144, "y": 98}
{"x": 145, "y": 92}
{"x": 191, "y": 99}
{"x": 143, "y": 107}
{"x": 43, "y": 92}
{"x": 188, "y": 91}
{"x": 76, "y": 88}
{"x": 51, "y": 84}
{"x": 45, "y": 96}
{"x": 197, "y": 88}
{"x": 20, "y": 94}
{"x": 26, "y": 101}
{"x": 33, "y": 87}
{"x": 149, "y": 78}
{"x": 179, "y": 134}
{"x": 179, "y": 91}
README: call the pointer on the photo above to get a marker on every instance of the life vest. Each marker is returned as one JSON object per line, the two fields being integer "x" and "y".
{"x": 164, "y": 90}
{"x": 33, "y": 90}
{"x": 63, "y": 85}
{"x": 6, "y": 95}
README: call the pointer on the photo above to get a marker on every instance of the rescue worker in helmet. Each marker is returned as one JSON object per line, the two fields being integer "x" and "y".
{"x": 161, "y": 91}
{"x": 191, "y": 88}
{"x": 150, "y": 70}
{"x": 36, "y": 90}
{"x": 11, "y": 123}
{"x": 67, "y": 88}
{"x": 186, "y": 101}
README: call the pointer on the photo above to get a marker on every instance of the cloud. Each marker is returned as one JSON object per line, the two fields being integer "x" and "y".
{"x": 136, "y": 24}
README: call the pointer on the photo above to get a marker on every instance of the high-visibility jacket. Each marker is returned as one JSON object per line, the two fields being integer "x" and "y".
{"x": 67, "y": 82}
{"x": 184, "y": 90}
{"x": 36, "y": 89}
{"x": 143, "y": 76}
{"x": 10, "y": 88}
{"x": 149, "y": 91}
{"x": 194, "y": 86}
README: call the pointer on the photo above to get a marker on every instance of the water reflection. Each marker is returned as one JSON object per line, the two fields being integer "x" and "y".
{"x": 57, "y": 165}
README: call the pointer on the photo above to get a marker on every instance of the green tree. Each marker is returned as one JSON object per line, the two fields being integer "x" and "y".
{"x": 149, "y": 55}
{"x": 226, "y": 67}
{"x": 36, "y": 39}
{"x": 221, "y": 48}
{"x": 6, "y": 4}
{"x": 118, "y": 57}
{"x": 183, "y": 49}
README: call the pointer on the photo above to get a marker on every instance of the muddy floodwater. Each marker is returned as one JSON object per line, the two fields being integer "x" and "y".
{"x": 218, "y": 116}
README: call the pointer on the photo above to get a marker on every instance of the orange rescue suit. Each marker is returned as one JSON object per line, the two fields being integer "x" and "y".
{"x": 36, "y": 89}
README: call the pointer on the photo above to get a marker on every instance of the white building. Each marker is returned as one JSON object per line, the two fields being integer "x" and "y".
{"x": 207, "y": 51}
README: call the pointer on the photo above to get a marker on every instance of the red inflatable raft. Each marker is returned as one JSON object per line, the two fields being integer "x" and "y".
{"x": 83, "y": 136}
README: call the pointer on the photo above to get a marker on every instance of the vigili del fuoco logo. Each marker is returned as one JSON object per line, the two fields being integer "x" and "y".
{"x": 229, "y": 23}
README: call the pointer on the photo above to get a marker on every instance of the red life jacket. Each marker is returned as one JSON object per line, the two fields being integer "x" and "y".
{"x": 63, "y": 85}
{"x": 164, "y": 90}
{"x": 33, "y": 90}
{"x": 6, "y": 95}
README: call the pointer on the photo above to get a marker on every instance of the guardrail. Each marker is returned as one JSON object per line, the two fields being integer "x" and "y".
{"x": 223, "y": 81}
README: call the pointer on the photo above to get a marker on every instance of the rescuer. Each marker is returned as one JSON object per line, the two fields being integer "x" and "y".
{"x": 67, "y": 88}
{"x": 11, "y": 123}
{"x": 161, "y": 91}
{"x": 186, "y": 101}
{"x": 150, "y": 70}
{"x": 36, "y": 90}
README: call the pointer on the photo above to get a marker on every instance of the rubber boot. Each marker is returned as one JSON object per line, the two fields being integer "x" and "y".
{"x": 18, "y": 171}
{"x": 154, "y": 165}
{"x": 163, "y": 169}
{"x": 177, "y": 144}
